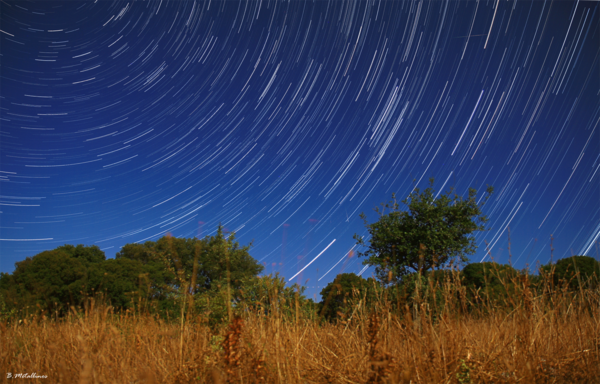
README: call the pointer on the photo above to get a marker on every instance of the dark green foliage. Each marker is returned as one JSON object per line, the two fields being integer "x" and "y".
{"x": 162, "y": 278}
{"x": 433, "y": 232}
{"x": 55, "y": 280}
{"x": 265, "y": 294}
{"x": 122, "y": 281}
{"x": 492, "y": 281}
{"x": 171, "y": 261}
{"x": 478, "y": 275}
{"x": 50, "y": 280}
{"x": 217, "y": 277}
{"x": 341, "y": 295}
{"x": 88, "y": 254}
{"x": 425, "y": 281}
{"x": 7, "y": 311}
{"x": 222, "y": 269}
{"x": 161, "y": 272}
{"x": 269, "y": 293}
{"x": 575, "y": 271}
{"x": 5, "y": 281}
{"x": 427, "y": 290}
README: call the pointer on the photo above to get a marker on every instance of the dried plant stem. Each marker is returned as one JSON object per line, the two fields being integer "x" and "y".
{"x": 546, "y": 336}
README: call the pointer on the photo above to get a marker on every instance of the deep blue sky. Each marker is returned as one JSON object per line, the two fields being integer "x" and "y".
{"x": 122, "y": 121}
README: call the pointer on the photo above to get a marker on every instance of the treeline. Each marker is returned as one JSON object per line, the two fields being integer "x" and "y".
{"x": 170, "y": 277}
{"x": 216, "y": 277}
{"x": 478, "y": 287}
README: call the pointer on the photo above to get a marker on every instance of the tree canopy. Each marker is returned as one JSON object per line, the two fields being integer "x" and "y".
{"x": 433, "y": 232}
{"x": 480, "y": 275}
{"x": 575, "y": 271}
{"x": 170, "y": 260}
{"x": 346, "y": 289}
{"x": 50, "y": 279}
{"x": 490, "y": 280}
{"x": 56, "y": 279}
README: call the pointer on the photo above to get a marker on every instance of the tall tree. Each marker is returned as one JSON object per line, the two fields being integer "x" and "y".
{"x": 51, "y": 280}
{"x": 433, "y": 232}
{"x": 171, "y": 261}
{"x": 122, "y": 281}
{"x": 88, "y": 254}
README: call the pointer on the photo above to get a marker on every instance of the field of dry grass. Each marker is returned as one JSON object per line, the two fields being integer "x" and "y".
{"x": 545, "y": 338}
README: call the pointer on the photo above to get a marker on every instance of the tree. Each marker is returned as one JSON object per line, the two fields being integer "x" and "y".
{"x": 56, "y": 279}
{"x": 122, "y": 281}
{"x": 88, "y": 254}
{"x": 218, "y": 262}
{"x": 267, "y": 295}
{"x": 164, "y": 270}
{"x": 433, "y": 232}
{"x": 345, "y": 290}
{"x": 576, "y": 271}
{"x": 488, "y": 274}
{"x": 490, "y": 280}
{"x": 51, "y": 280}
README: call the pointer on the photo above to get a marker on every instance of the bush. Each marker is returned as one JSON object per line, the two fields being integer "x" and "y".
{"x": 576, "y": 272}
{"x": 340, "y": 297}
{"x": 491, "y": 282}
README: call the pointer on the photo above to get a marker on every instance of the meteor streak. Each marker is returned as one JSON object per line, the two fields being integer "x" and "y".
{"x": 323, "y": 251}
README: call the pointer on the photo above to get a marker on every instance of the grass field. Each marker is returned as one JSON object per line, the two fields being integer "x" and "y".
{"x": 546, "y": 336}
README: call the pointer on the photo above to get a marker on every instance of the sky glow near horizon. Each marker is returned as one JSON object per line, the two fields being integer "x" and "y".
{"x": 123, "y": 121}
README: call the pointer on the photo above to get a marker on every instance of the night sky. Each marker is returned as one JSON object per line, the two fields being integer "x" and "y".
{"x": 122, "y": 121}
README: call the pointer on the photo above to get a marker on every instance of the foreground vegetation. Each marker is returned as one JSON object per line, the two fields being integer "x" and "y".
{"x": 198, "y": 311}
{"x": 541, "y": 333}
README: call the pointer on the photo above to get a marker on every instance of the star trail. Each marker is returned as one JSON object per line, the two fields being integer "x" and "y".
{"x": 122, "y": 121}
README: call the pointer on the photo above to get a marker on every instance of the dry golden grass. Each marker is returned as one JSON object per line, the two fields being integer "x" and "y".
{"x": 552, "y": 338}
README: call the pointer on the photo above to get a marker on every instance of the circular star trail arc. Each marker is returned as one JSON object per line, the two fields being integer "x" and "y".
{"x": 122, "y": 121}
